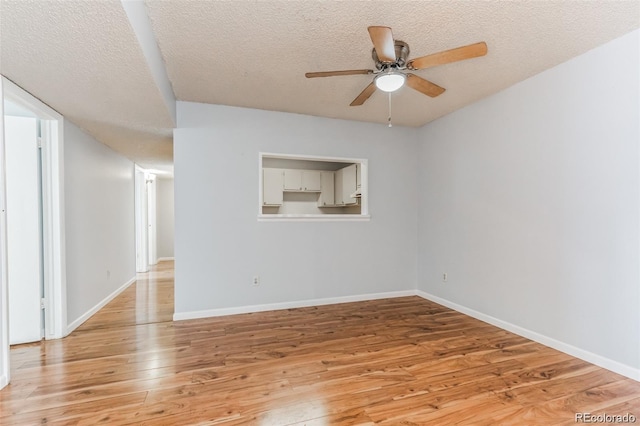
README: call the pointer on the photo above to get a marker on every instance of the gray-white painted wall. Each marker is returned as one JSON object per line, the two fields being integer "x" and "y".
{"x": 529, "y": 201}
{"x": 100, "y": 232}
{"x": 164, "y": 217}
{"x": 220, "y": 245}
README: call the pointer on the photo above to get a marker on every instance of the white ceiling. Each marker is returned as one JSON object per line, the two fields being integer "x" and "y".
{"x": 83, "y": 59}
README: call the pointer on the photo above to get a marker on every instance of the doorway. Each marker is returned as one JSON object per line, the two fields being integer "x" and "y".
{"x": 48, "y": 263}
{"x": 146, "y": 220}
{"x": 142, "y": 257}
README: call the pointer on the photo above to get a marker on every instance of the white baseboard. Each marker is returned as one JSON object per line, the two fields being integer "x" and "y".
{"x": 3, "y": 381}
{"x": 163, "y": 259}
{"x": 178, "y": 316}
{"x": 97, "y": 307}
{"x": 609, "y": 364}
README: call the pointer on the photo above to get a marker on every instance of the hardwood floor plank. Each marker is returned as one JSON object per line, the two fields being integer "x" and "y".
{"x": 71, "y": 412}
{"x": 402, "y": 361}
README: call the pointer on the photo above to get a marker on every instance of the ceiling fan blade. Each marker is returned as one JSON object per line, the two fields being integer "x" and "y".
{"x": 382, "y": 39}
{"x": 424, "y": 86}
{"x": 448, "y": 56}
{"x": 333, "y": 73}
{"x": 364, "y": 95}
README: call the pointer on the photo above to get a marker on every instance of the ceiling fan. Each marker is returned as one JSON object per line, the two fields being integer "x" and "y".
{"x": 391, "y": 60}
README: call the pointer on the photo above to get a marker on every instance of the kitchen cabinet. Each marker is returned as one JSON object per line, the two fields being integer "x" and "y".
{"x": 338, "y": 193}
{"x": 327, "y": 189}
{"x": 311, "y": 180}
{"x": 305, "y": 187}
{"x": 272, "y": 186}
{"x": 293, "y": 180}
{"x": 302, "y": 180}
{"x": 345, "y": 185}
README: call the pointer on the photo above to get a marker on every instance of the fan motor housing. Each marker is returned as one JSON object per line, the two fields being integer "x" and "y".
{"x": 402, "y": 53}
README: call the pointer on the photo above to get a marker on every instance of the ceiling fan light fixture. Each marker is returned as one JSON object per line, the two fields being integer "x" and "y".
{"x": 390, "y": 81}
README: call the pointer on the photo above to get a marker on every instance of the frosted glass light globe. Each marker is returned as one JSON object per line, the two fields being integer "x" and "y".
{"x": 390, "y": 81}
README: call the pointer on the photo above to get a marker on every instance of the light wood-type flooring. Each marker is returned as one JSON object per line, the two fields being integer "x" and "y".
{"x": 403, "y": 361}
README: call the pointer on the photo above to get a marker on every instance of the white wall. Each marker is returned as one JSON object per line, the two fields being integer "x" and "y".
{"x": 100, "y": 233}
{"x": 220, "y": 245}
{"x": 164, "y": 216}
{"x": 529, "y": 200}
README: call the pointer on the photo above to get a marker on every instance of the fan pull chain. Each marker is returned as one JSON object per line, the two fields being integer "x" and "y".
{"x": 390, "y": 110}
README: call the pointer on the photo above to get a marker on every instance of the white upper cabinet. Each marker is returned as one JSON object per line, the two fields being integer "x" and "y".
{"x": 311, "y": 180}
{"x": 293, "y": 180}
{"x": 350, "y": 184}
{"x": 272, "y": 184}
{"x": 339, "y": 193}
{"x": 346, "y": 185}
{"x": 327, "y": 189}
{"x": 302, "y": 180}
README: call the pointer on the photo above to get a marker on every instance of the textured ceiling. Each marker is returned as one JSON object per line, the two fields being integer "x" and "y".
{"x": 83, "y": 59}
{"x": 255, "y": 54}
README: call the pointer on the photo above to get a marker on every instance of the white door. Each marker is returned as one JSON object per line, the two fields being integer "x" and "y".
{"x": 24, "y": 237}
{"x": 142, "y": 242}
{"x": 151, "y": 219}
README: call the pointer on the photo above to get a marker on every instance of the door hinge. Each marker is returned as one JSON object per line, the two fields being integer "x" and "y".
{"x": 39, "y": 142}
{"x": 43, "y": 303}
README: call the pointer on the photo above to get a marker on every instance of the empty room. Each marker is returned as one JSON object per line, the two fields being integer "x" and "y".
{"x": 319, "y": 212}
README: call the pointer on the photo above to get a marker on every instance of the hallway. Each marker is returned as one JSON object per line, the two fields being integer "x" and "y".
{"x": 51, "y": 378}
{"x": 148, "y": 300}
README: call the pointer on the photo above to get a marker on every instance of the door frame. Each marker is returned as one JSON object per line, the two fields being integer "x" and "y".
{"x": 142, "y": 241}
{"x": 52, "y": 128}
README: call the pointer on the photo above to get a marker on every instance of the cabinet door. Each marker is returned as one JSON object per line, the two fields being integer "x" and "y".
{"x": 293, "y": 180}
{"x": 338, "y": 194}
{"x": 326, "y": 189}
{"x": 349, "y": 184}
{"x": 272, "y": 185}
{"x": 311, "y": 180}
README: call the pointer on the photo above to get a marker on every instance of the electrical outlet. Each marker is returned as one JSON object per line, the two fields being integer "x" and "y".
{"x": 444, "y": 277}
{"x": 256, "y": 280}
